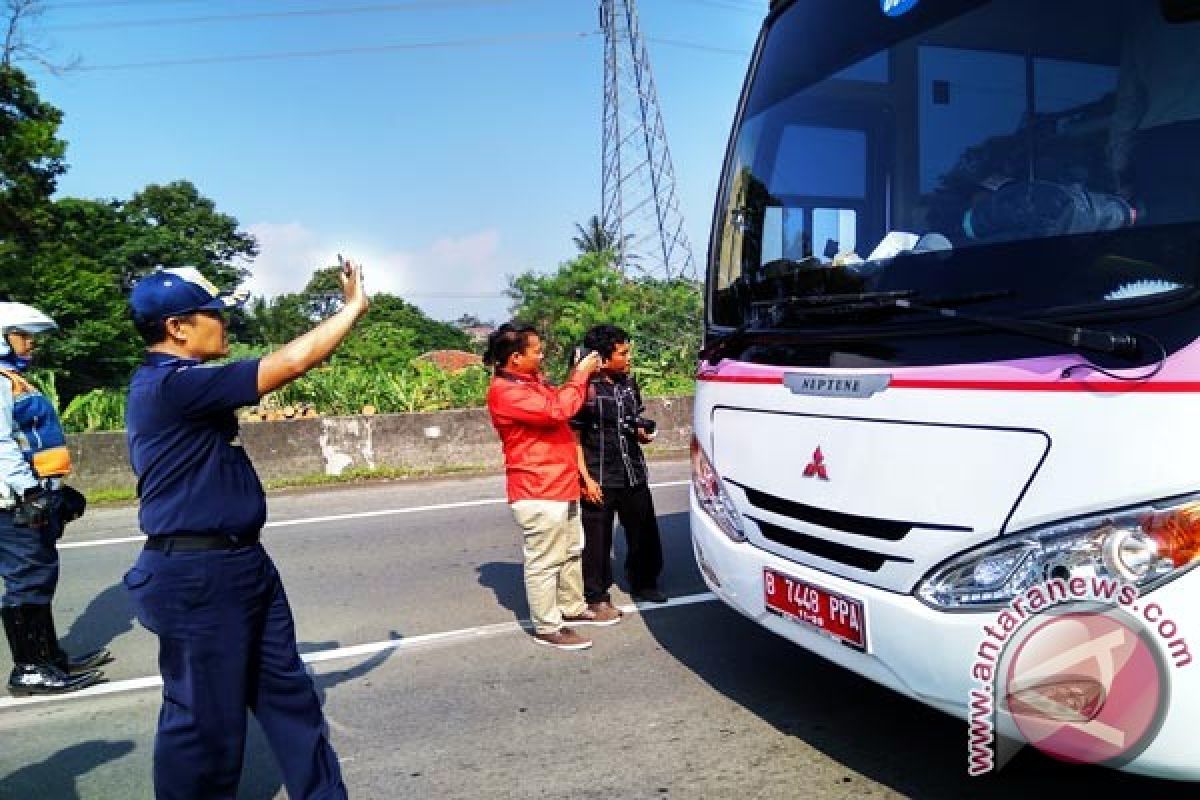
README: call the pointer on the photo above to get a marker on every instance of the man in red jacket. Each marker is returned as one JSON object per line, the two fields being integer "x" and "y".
{"x": 532, "y": 419}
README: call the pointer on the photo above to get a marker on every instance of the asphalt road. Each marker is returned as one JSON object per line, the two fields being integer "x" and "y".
{"x": 445, "y": 696}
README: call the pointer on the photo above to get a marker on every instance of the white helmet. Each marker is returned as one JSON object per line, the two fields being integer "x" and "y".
{"x": 20, "y": 317}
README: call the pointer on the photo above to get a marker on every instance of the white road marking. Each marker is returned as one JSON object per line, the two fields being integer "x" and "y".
{"x": 353, "y": 651}
{"x": 287, "y": 523}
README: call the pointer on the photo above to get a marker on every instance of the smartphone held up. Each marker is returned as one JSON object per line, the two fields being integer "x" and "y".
{"x": 578, "y": 354}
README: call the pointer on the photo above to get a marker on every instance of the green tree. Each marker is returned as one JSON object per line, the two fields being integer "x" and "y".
{"x": 323, "y": 293}
{"x": 79, "y": 268}
{"x": 594, "y": 238}
{"x": 662, "y": 317}
{"x": 284, "y": 317}
{"x": 382, "y": 347}
{"x": 274, "y": 321}
{"x": 31, "y": 160}
{"x": 429, "y": 334}
{"x": 75, "y": 275}
{"x": 173, "y": 225}
{"x": 75, "y": 259}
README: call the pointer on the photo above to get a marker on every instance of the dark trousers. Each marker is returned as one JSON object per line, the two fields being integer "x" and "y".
{"x": 643, "y": 558}
{"x": 227, "y": 643}
{"x": 28, "y": 562}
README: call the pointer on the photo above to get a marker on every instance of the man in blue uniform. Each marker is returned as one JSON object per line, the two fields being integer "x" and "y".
{"x": 34, "y": 507}
{"x": 203, "y": 583}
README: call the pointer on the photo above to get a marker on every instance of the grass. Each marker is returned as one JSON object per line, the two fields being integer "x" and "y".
{"x": 109, "y": 497}
{"x": 364, "y": 475}
{"x": 124, "y": 496}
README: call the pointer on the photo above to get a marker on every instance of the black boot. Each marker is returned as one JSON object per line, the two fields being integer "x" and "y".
{"x": 66, "y": 663}
{"x": 33, "y": 671}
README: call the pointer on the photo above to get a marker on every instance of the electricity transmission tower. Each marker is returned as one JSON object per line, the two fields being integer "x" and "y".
{"x": 639, "y": 207}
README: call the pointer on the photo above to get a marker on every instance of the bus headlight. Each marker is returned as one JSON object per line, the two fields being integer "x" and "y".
{"x": 1142, "y": 547}
{"x": 711, "y": 494}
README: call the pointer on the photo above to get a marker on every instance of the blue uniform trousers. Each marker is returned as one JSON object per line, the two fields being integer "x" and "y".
{"x": 28, "y": 562}
{"x": 227, "y": 643}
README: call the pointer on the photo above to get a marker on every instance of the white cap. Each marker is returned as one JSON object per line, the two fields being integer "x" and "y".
{"x": 20, "y": 317}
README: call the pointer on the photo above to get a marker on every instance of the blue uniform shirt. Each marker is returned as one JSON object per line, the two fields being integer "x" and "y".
{"x": 193, "y": 475}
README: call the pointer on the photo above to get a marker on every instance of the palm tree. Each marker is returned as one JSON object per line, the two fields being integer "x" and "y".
{"x": 595, "y": 238}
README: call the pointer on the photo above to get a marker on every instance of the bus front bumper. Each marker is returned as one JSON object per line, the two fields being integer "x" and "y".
{"x": 928, "y": 655}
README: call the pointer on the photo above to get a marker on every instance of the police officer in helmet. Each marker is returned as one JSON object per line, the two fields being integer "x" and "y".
{"x": 203, "y": 583}
{"x": 34, "y": 507}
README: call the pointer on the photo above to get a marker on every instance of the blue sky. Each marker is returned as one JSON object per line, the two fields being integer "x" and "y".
{"x": 443, "y": 169}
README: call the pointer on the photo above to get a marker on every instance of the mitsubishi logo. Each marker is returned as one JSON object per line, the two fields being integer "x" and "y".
{"x": 816, "y": 467}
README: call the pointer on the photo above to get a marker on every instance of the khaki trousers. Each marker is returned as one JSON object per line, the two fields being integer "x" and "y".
{"x": 553, "y": 566}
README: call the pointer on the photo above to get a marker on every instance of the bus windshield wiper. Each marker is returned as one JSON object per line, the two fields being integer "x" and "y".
{"x": 825, "y": 305}
{"x": 834, "y": 305}
{"x": 868, "y": 299}
{"x": 819, "y": 306}
{"x": 828, "y": 305}
{"x": 1118, "y": 344}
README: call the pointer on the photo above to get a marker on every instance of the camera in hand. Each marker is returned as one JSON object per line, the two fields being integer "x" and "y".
{"x": 631, "y": 425}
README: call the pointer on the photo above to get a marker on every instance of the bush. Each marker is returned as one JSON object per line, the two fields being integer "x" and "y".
{"x": 375, "y": 367}
{"x": 341, "y": 389}
{"x": 97, "y": 410}
{"x": 663, "y": 318}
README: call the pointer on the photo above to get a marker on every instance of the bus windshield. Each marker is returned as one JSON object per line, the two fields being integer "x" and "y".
{"x": 1037, "y": 159}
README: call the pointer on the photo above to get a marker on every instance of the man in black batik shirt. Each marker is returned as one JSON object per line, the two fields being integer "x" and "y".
{"x": 612, "y": 468}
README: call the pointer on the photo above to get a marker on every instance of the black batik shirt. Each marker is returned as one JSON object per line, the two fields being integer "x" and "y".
{"x": 605, "y": 424}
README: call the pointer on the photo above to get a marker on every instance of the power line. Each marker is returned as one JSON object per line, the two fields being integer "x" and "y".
{"x": 390, "y": 48}
{"x": 749, "y": 7}
{"x": 84, "y": 5}
{"x": 87, "y": 5}
{"x": 454, "y": 295}
{"x": 412, "y": 5}
{"x": 697, "y": 46}
{"x": 485, "y": 41}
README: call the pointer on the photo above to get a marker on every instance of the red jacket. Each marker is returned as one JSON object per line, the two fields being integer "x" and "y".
{"x": 531, "y": 418}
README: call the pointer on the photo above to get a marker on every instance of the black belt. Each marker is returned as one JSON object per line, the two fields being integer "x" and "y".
{"x": 199, "y": 542}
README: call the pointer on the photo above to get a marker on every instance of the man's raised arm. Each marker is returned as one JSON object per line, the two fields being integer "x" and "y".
{"x": 308, "y": 350}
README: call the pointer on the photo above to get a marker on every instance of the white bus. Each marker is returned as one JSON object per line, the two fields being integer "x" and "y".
{"x": 952, "y": 363}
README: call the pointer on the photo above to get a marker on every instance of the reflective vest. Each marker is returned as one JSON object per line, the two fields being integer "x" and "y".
{"x": 37, "y": 429}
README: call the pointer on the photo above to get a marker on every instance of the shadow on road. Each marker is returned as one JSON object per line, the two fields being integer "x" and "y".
{"x": 870, "y": 730}
{"x": 506, "y": 579}
{"x": 261, "y": 779}
{"x": 107, "y": 616}
{"x": 55, "y": 777}
{"x": 680, "y": 576}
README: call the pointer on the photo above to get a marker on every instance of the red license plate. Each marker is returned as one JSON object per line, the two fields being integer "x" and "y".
{"x": 838, "y": 615}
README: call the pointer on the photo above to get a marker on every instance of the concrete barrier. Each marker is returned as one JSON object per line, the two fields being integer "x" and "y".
{"x": 331, "y": 445}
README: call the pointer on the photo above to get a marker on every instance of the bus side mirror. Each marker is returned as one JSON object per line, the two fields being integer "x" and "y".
{"x": 1176, "y": 11}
